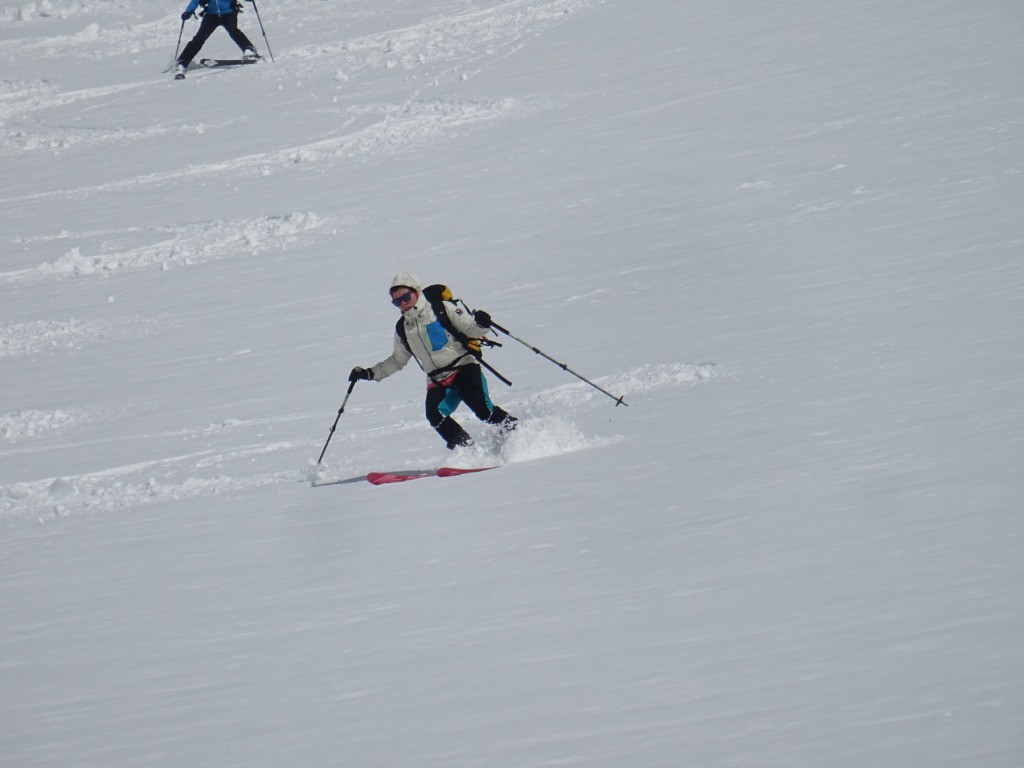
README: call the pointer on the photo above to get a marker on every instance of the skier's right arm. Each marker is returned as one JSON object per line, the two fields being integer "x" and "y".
{"x": 190, "y": 10}
{"x": 400, "y": 357}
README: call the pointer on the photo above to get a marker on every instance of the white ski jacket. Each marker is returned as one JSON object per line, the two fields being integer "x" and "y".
{"x": 429, "y": 342}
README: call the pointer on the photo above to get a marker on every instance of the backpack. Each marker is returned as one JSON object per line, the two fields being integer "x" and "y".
{"x": 437, "y": 295}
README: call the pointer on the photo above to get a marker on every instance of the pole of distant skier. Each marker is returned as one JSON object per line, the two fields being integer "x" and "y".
{"x": 261, "y": 28}
{"x": 178, "y": 46}
{"x": 618, "y": 400}
{"x": 335, "y": 424}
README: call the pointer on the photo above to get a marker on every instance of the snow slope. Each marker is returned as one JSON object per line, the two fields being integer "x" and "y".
{"x": 788, "y": 234}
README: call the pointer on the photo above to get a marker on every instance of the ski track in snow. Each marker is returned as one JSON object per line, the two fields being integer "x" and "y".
{"x": 448, "y": 47}
{"x": 22, "y": 140}
{"x": 19, "y": 99}
{"x": 547, "y": 429}
{"x": 442, "y": 37}
{"x": 187, "y": 244}
{"x": 398, "y": 128}
{"x": 445, "y": 39}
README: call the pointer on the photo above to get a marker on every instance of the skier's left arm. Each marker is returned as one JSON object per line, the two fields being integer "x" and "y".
{"x": 476, "y": 325}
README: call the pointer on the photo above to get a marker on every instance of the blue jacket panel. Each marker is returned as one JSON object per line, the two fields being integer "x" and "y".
{"x": 214, "y": 7}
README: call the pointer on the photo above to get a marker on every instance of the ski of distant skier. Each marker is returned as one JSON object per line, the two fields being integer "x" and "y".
{"x": 225, "y": 62}
{"x": 210, "y": 63}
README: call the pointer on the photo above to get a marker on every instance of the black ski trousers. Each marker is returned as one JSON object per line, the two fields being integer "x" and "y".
{"x": 206, "y": 28}
{"x": 467, "y": 385}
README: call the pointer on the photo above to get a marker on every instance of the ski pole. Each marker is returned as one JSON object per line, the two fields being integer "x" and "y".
{"x": 618, "y": 400}
{"x": 263, "y": 31}
{"x": 335, "y": 424}
{"x": 178, "y": 46}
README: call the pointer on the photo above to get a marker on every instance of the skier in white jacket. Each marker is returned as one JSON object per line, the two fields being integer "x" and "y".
{"x": 453, "y": 373}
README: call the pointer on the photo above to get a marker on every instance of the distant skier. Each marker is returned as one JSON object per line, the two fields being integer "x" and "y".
{"x": 216, "y": 13}
{"x": 453, "y": 373}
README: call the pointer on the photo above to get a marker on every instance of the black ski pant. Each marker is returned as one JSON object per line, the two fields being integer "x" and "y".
{"x": 206, "y": 28}
{"x": 466, "y": 385}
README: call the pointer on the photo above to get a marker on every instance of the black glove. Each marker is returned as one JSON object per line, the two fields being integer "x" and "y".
{"x": 187, "y": 15}
{"x": 482, "y": 318}
{"x": 360, "y": 373}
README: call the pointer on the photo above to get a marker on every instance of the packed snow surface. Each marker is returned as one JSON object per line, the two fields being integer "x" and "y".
{"x": 788, "y": 235}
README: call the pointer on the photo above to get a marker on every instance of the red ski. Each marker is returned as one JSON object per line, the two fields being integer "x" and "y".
{"x": 453, "y": 471}
{"x": 381, "y": 478}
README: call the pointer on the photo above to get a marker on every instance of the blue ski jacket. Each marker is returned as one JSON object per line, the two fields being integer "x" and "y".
{"x": 214, "y": 7}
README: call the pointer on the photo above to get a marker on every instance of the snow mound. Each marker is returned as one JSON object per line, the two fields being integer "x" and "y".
{"x": 652, "y": 377}
{"x": 30, "y": 422}
{"x": 19, "y": 339}
{"x": 188, "y": 244}
{"x": 655, "y": 377}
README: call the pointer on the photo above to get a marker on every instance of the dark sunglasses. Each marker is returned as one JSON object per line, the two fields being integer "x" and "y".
{"x": 400, "y": 300}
